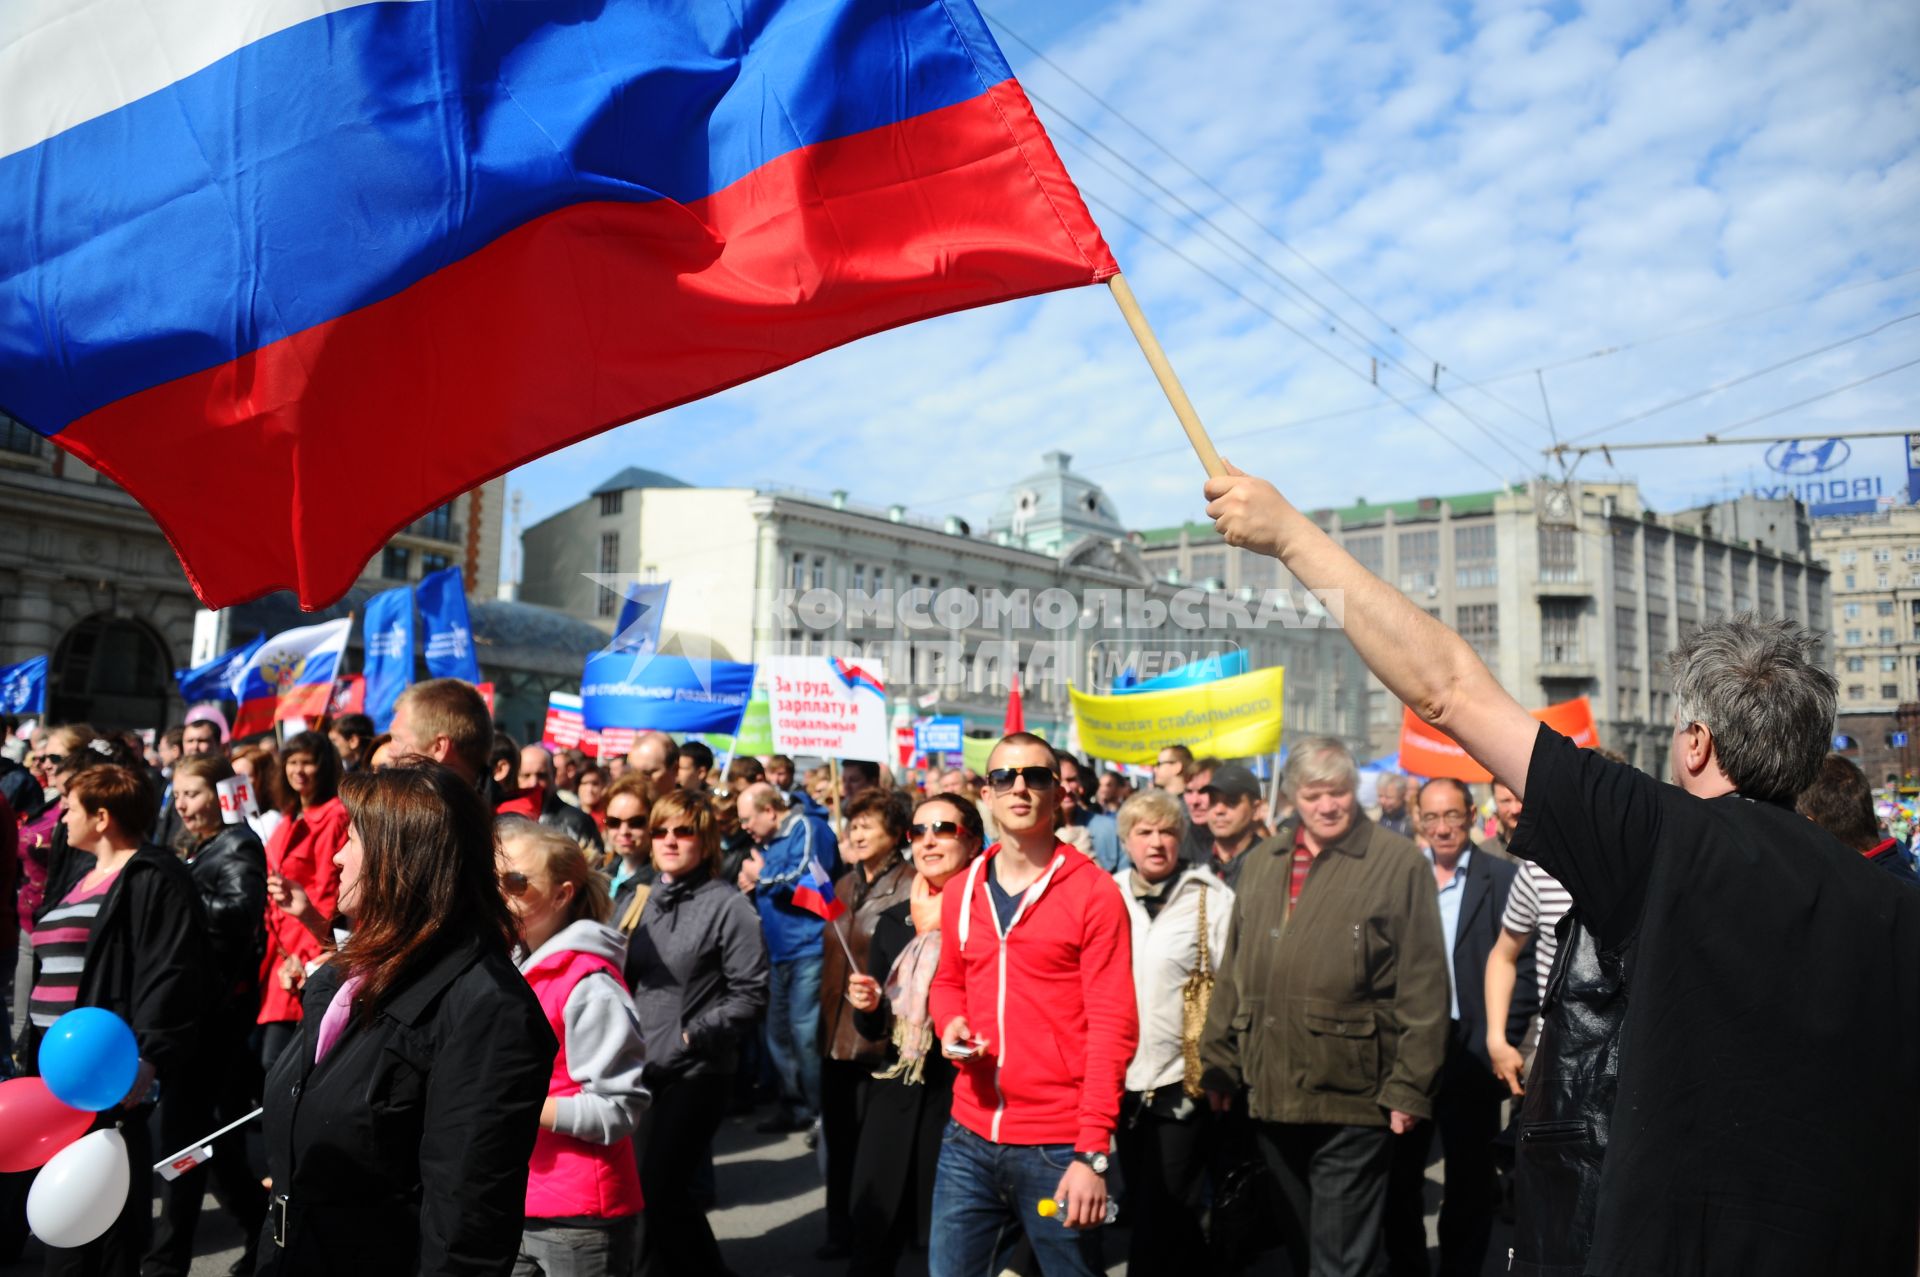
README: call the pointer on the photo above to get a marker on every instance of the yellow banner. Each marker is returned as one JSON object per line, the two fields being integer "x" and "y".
{"x": 1235, "y": 717}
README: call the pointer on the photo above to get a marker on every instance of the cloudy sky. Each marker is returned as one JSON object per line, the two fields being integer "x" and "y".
{"x": 1704, "y": 191}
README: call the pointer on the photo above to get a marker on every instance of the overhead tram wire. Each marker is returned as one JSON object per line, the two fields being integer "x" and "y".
{"x": 1276, "y": 318}
{"x": 1742, "y": 379}
{"x": 1247, "y": 213}
{"x": 1334, "y": 322}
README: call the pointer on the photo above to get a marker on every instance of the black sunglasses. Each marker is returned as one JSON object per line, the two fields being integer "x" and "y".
{"x": 1037, "y": 778}
{"x": 938, "y": 828}
{"x": 627, "y": 822}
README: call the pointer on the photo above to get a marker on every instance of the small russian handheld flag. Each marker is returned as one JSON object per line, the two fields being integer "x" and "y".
{"x": 814, "y": 893}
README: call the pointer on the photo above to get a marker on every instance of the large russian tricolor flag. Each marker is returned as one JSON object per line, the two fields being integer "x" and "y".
{"x": 310, "y": 267}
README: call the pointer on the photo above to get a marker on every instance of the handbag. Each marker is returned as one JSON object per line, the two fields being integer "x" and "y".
{"x": 1196, "y": 994}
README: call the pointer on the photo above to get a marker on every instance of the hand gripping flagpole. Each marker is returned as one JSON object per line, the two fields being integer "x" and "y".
{"x": 1163, "y": 370}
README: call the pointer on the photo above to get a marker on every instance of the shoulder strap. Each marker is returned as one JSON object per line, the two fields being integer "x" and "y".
{"x": 1206, "y": 952}
{"x": 631, "y": 918}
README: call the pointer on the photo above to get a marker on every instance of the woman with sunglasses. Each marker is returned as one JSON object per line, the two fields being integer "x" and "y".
{"x": 908, "y": 1102}
{"x": 629, "y": 851}
{"x": 583, "y": 1192}
{"x": 301, "y": 852}
{"x": 878, "y": 879}
{"x": 401, "y": 1119}
{"x": 698, "y": 970}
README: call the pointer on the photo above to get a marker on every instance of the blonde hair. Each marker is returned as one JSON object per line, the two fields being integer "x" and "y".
{"x": 565, "y": 862}
{"x": 1152, "y": 804}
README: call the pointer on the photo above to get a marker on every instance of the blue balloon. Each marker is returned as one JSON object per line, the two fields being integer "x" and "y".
{"x": 89, "y": 1059}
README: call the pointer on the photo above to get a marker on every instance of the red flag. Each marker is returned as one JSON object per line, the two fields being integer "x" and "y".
{"x": 1016, "y": 717}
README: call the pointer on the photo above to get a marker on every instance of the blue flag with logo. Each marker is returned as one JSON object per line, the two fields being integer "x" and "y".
{"x": 388, "y": 664}
{"x": 667, "y": 693}
{"x": 215, "y": 680}
{"x": 449, "y": 634}
{"x": 638, "y": 629}
{"x": 23, "y": 687}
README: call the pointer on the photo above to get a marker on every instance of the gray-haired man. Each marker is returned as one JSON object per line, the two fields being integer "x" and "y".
{"x": 1330, "y": 1010}
{"x": 1765, "y": 1119}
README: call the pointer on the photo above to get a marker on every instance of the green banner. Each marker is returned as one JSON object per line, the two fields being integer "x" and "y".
{"x": 756, "y": 732}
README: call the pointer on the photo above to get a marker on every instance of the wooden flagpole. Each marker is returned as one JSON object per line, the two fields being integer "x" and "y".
{"x": 1163, "y": 370}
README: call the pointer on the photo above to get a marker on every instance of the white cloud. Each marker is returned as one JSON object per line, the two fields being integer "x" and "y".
{"x": 1510, "y": 188}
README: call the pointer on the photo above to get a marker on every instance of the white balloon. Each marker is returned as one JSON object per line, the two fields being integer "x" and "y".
{"x": 80, "y": 1191}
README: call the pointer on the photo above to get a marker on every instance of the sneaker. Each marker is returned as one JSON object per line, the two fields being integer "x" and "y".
{"x": 813, "y": 1133}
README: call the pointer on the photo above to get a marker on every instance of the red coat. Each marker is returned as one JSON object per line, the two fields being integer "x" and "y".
{"x": 301, "y": 850}
{"x": 1061, "y": 1022}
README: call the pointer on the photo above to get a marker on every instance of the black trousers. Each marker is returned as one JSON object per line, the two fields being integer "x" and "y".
{"x": 225, "y": 1089}
{"x": 843, "y": 1087}
{"x": 1466, "y": 1117}
{"x": 116, "y": 1252}
{"x": 1332, "y": 1194}
{"x": 676, "y": 1139}
{"x": 1163, "y": 1167}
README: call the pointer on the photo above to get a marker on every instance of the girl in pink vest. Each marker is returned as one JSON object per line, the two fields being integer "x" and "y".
{"x": 583, "y": 1189}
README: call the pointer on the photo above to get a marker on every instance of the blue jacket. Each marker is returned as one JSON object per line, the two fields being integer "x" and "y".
{"x": 792, "y": 932}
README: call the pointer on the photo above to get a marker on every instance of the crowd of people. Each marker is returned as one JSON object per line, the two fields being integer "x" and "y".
{"x": 497, "y": 1001}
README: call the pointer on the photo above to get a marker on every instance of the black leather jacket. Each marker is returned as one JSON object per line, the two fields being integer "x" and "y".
{"x": 230, "y": 872}
{"x": 1568, "y": 1108}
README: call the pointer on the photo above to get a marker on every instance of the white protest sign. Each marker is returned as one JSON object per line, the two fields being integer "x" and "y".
{"x": 828, "y": 706}
{"x": 237, "y": 799}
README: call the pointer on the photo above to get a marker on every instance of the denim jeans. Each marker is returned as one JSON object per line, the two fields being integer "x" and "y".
{"x": 793, "y": 1035}
{"x": 985, "y": 1195}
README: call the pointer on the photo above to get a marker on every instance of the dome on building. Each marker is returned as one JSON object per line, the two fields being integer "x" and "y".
{"x": 1054, "y": 508}
{"x": 639, "y": 477}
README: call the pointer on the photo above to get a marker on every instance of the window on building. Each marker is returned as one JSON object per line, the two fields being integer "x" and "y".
{"x": 1626, "y": 637}
{"x": 1847, "y": 584}
{"x": 1883, "y": 555}
{"x": 1848, "y": 558}
{"x": 859, "y": 576}
{"x": 1882, "y": 581}
{"x": 1882, "y": 608}
{"x": 1912, "y": 554}
{"x": 437, "y": 524}
{"x": 393, "y": 563}
{"x": 1370, "y": 551}
{"x": 1656, "y": 564}
{"x": 1658, "y": 645}
{"x": 609, "y": 552}
{"x": 1258, "y": 571}
{"x": 1419, "y": 561}
{"x": 797, "y": 572}
{"x": 1856, "y": 692}
{"x": 1625, "y": 579}
{"x": 1850, "y": 611}
{"x": 17, "y": 438}
{"x": 1480, "y": 627}
{"x": 1714, "y": 578}
{"x": 1476, "y": 556}
{"x": 610, "y": 502}
{"x": 1886, "y": 634}
{"x": 819, "y": 577}
{"x": 1888, "y": 664}
{"x": 1208, "y": 564}
{"x": 434, "y": 563}
{"x": 1560, "y": 631}
{"x": 1853, "y": 636}
{"x": 1856, "y": 665}
{"x": 1889, "y": 691}
{"x": 1742, "y": 581}
{"x": 1683, "y": 569}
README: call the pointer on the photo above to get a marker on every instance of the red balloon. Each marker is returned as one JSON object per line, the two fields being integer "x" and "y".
{"x": 34, "y": 1125}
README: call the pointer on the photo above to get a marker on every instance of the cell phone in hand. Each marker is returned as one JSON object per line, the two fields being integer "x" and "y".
{"x": 965, "y": 1048}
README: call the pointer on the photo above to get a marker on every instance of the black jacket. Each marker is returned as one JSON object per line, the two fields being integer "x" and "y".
{"x": 556, "y": 813}
{"x": 697, "y": 967}
{"x": 147, "y": 960}
{"x": 406, "y": 1149}
{"x": 1489, "y": 881}
{"x": 230, "y": 871}
{"x": 1568, "y": 1109}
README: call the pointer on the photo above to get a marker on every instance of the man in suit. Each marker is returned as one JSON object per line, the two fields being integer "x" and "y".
{"x": 1472, "y": 889}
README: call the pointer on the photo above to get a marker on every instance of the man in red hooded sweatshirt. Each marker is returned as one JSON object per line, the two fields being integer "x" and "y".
{"x": 1034, "y": 1000}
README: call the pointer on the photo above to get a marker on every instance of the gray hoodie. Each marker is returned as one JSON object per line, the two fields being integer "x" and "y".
{"x": 602, "y": 1041}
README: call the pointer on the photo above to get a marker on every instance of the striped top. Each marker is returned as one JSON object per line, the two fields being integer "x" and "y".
{"x": 60, "y": 946}
{"x": 1536, "y": 903}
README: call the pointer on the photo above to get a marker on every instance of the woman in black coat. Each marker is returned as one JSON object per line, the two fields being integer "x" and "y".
{"x": 400, "y": 1122}
{"x": 907, "y": 1105}
{"x": 128, "y": 910}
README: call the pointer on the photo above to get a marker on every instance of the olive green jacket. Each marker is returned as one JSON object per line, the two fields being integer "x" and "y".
{"x": 1337, "y": 1013}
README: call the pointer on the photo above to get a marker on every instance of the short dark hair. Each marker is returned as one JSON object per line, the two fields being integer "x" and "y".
{"x": 1841, "y": 802}
{"x": 881, "y": 803}
{"x": 173, "y": 736}
{"x": 354, "y": 725}
{"x": 1466, "y": 795}
{"x": 504, "y": 750}
{"x": 121, "y": 792}
{"x": 699, "y": 752}
{"x": 747, "y": 768}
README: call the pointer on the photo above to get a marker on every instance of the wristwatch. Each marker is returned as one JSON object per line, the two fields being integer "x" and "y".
{"x": 1095, "y": 1162}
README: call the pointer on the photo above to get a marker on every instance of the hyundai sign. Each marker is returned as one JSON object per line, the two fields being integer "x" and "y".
{"x": 1812, "y": 472}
